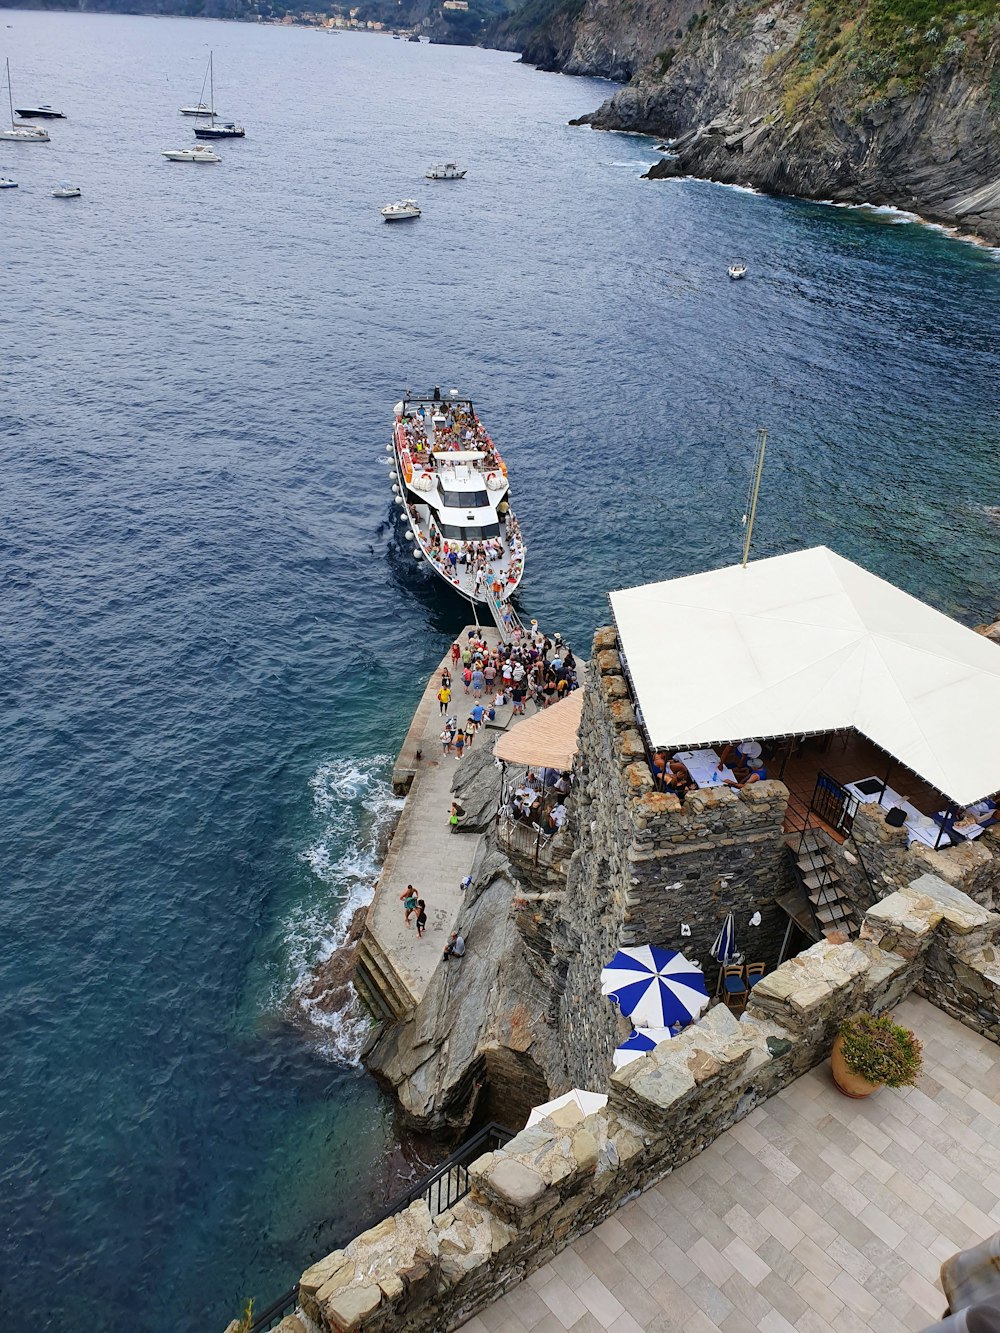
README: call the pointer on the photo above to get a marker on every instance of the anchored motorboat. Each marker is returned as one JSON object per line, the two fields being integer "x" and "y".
{"x": 451, "y": 487}
{"x": 65, "y": 191}
{"x": 445, "y": 171}
{"x": 7, "y": 184}
{"x": 400, "y": 211}
{"x": 199, "y": 153}
{"x": 43, "y": 112}
{"x": 21, "y": 133}
{"x": 737, "y": 271}
{"x": 200, "y": 109}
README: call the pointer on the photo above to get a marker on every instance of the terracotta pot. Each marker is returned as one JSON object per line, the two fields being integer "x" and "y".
{"x": 849, "y": 1083}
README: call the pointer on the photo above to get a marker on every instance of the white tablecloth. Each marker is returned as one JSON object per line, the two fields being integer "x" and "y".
{"x": 703, "y": 765}
{"x": 919, "y": 827}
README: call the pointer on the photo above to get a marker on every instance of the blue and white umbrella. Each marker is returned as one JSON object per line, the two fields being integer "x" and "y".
{"x": 655, "y": 987}
{"x": 724, "y": 948}
{"x": 641, "y": 1042}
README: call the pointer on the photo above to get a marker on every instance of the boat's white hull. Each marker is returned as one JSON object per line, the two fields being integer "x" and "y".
{"x": 24, "y": 136}
{"x": 181, "y": 155}
{"x": 400, "y": 214}
{"x": 445, "y": 175}
{"x": 504, "y": 573}
{"x": 66, "y": 194}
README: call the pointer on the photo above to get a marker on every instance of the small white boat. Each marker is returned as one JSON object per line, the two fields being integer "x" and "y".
{"x": 445, "y": 171}
{"x": 7, "y": 184}
{"x": 25, "y": 134}
{"x": 202, "y": 109}
{"x": 197, "y": 154}
{"x": 21, "y": 133}
{"x": 400, "y": 211}
{"x": 66, "y": 191}
{"x": 737, "y": 271}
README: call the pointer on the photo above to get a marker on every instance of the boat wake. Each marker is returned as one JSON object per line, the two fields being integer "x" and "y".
{"x": 354, "y": 812}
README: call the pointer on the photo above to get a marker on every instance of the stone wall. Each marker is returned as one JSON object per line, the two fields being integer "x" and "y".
{"x": 644, "y": 865}
{"x": 419, "y": 1274}
{"x": 877, "y": 862}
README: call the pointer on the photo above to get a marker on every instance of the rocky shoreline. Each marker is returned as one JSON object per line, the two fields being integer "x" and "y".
{"x": 744, "y": 99}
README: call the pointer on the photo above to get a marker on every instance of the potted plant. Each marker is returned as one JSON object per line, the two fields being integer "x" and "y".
{"x": 871, "y": 1052}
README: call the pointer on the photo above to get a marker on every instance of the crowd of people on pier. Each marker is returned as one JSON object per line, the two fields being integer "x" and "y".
{"x": 531, "y": 668}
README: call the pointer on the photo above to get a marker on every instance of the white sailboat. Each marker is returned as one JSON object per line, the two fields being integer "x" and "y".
{"x": 21, "y": 133}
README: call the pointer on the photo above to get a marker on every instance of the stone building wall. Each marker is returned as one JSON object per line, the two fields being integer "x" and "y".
{"x": 418, "y": 1274}
{"x": 880, "y": 850}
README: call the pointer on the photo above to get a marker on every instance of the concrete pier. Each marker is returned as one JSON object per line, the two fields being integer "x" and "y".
{"x": 393, "y": 966}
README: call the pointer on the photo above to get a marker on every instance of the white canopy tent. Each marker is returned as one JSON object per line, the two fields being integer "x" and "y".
{"x": 811, "y": 642}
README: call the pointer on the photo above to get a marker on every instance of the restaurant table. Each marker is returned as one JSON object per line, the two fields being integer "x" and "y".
{"x": 919, "y": 827}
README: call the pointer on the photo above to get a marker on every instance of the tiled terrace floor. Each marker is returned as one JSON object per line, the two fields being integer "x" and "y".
{"x": 815, "y": 1213}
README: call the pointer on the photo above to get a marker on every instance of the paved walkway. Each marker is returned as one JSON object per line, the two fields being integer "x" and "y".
{"x": 816, "y": 1214}
{"x": 423, "y": 851}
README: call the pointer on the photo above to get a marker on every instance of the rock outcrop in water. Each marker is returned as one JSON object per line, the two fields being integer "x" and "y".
{"x": 850, "y": 103}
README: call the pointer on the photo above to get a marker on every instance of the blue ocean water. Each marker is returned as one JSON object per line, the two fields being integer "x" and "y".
{"x": 213, "y": 643}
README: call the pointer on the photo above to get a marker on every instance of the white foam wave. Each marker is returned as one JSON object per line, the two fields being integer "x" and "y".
{"x": 353, "y": 810}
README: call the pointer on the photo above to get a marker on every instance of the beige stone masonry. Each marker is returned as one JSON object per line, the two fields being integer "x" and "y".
{"x": 555, "y": 1181}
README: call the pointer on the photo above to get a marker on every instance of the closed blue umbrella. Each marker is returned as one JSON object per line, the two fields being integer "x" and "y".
{"x": 655, "y": 987}
{"x": 724, "y": 948}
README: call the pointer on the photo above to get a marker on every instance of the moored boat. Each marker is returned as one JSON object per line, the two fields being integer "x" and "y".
{"x": 220, "y": 129}
{"x": 21, "y": 133}
{"x": 201, "y": 109}
{"x": 400, "y": 211}
{"x": 199, "y": 153}
{"x": 7, "y": 184}
{"x": 737, "y": 271}
{"x": 452, "y": 489}
{"x": 445, "y": 171}
{"x": 66, "y": 191}
{"x": 43, "y": 112}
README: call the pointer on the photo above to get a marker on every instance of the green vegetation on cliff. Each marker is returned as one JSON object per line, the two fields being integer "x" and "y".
{"x": 886, "y": 47}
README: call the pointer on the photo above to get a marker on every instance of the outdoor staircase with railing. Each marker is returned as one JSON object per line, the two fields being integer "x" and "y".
{"x": 812, "y": 834}
{"x": 814, "y": 869}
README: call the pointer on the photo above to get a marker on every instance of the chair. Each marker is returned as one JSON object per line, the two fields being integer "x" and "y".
{"x": 733, "y": 986}
{"x": 754, "y": 973}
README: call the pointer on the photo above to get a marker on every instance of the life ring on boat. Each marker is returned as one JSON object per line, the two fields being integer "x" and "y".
{"x": 493, "y": 481}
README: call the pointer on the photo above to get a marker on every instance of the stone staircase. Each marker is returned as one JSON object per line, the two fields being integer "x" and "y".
{"x": 815, "y": 872}
{"x": 381, "y": 989}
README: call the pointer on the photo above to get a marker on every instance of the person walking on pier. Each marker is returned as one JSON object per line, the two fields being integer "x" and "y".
{"x": 409, "y": 900}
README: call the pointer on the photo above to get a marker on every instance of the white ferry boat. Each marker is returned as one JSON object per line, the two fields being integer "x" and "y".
{"x": 451, "y": 486}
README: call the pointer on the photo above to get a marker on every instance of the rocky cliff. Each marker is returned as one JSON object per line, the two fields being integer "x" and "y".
{"x": 596, "y": 37}
{"x": 485, "y": 1042}
{"x": 883, "y": 101}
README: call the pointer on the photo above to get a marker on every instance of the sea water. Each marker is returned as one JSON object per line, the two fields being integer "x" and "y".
{"x": 213, "y": 637}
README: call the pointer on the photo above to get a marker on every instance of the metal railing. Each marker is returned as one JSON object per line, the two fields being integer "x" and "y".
{"x": 526, "y": 841}
{"x": 447, "y": 1184}
{"x": 833, "y": 803}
